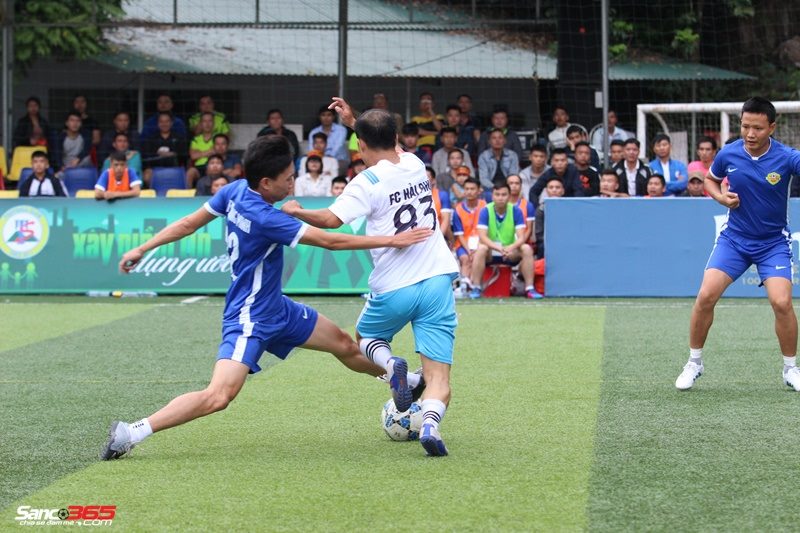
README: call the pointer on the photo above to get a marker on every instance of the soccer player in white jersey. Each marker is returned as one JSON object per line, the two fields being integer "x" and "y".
{"x": 411, "y": 285}
{"x": 257, "y": 316}
{"x": 759, "y": 171}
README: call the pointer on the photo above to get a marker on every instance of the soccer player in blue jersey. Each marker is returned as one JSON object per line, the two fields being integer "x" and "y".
{"x": 257, "y": 316}
{"x": 758, "y": 169}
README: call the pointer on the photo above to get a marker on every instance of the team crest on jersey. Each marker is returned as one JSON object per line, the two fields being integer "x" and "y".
{"x": 773, "y": 178}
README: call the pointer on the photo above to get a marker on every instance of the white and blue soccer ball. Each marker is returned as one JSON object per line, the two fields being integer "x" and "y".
{"x": 401, "y": 426}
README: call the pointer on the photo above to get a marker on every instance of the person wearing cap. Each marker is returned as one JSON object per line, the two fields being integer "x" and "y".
{"x": 312, "y": 182}
{"x": 457, "y": 192}
{"x": 694, "y": 187}
{"x": 674, "y": 171}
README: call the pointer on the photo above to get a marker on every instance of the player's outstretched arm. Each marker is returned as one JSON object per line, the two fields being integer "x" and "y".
{"x": 319, "y": 218}
{"x": 174, "y": 232}
{"x": 343, "y": 241}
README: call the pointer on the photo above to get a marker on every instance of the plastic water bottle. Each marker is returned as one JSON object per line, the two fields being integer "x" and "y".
{"x": 98, "y": 294}
{"x": 134, "y": 294}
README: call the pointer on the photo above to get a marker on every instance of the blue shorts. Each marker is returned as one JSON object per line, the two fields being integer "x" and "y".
{"x": 734, "y": 255}
{"x": 461, "y": 251}
{"x": 290, "y": 327}
{"x": 429, "y": 306}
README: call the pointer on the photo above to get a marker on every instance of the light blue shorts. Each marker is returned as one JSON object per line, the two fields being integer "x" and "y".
{"x": 429, "y": 306}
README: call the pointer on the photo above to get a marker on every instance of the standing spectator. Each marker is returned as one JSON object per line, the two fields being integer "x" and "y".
{"x": 448, "y": 137}
{"x": 337, "y": 137}
{"x": 231, "y": 163}
{"x": 337, "y": 186}
{"x": 428, "y": 121}
{"x": 468, "y": 118}
{"x": 32, "y": 129}
{"x": 656, "y": 186}
{"x": 558, "y": 136}
{"x": 213, "y": 174}
{"x": 706, "y": 152}
{"x": 312, "y": 182}
{"x": 633, "y": 173}
{"x": 409, "y": 137}
{"x": 206, "y": 105}
{"x": 166, "y": 149}
{"x": 500, "y": 122}
{"x": 561, "y": 169}
{"x": 587, "y": 174}
{"x": 275, "y": 127}
{"x": 122, "y": 124}
{"x": 538, "y": 166}
{"x": 516, "y": 198}
{"x": 89, "y": 125}
{"x": 330, "y": 166}
{"x": 616, "y": 151}
{"x": 163, "y": 105}
{"x": 455, "y": 159}
{"x": 501, "y": 233}
{"x": 119, "y": 181}
{"x": 379, "y": 101}
{"x": 609, "y": 185}
{"x": 555, "y": 189}
{"x": 497, "y": 162}
{"x": 72, "y": 145}
{"x": 673, "y": 171}
{"x": 465, "y": 138}
{"x": 200, "y": 148}
{"x": 694, "y": 187}
{"x": 614, "y": 133}
{"x": 41, "y": 182}
{"x": 121, "y": 144}
{"x": 465, "y": 228}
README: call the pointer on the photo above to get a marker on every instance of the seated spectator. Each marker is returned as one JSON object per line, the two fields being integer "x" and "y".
{"x": 614, "y": 133}
{"x": 656, "y": 186}
{"x": 41, "y": 182}
{"x": 500, "y": 122}
{"x": 695, "y": 187}
{"x": 356, "y": 167}
{"x": 119, "y": 181}
{"x": 440, "y": 163}
{"x": 409, "y": 141}
{"x": 166, "y": 149}
{"x": 555, "y": 189}
{"x": 465, "y": 137}
{"x": 89, "y": 126}
{"x": 200, "y": 148}
{"x": 501, "y": 233}
{"x": 163, "y": 105}
{"x": 465, "y": 228}
{"x": 122, "y": 124}
{"x": 457, "y": 192}
{"x": 576, "y": 134}
{"x": 468, "y": 118}
{"x": 428, "y": 121}
{"x": 231, "y": 163}
{"x": 337, "y": 137}
{"x": 616, "y": 151}
{"x": 330, "y": 166}
{"x": 538, "y": 166}
{"x": 275, "y": 127}
{"x": 562, "y": 170}
{"x": 380, "y": 101}
{"x": 609, "y": 184}
{"x": 455, "y": 159}
{"x": 674, "y": 171}
{"x": 206, "y": 105}
{"x": 441, "y": 202}
{"x": 497, "y": 162}
{"x": 558, "y": 136}
{"x": 633, "y": 173}
{"x": 516, "y": 199}
{"x": 706, "y": 152}
{"x": 587, "y": 174}
{"x": 213, "y": 175}
{"x": 337, "y": 186}
{"x": 32, "y": 129}
{"x": 121, "y": 144}
{"x": 72, "y": 146}
{"x": 312, "y": 182}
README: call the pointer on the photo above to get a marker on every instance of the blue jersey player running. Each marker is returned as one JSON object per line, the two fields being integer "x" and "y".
{"x": 758, "y": 169}
{"x": 257, "y": 316}
{"x": 411, "y": 285}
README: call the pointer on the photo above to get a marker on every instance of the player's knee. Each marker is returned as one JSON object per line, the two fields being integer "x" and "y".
{"x": 527, "y": 251}
{"x": 706, "y": 299}
{"x": 218, "y": 399}
{"x": 782, "y": 304}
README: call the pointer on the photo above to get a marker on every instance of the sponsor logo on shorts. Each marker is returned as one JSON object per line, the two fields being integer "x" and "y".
{"x": 773, "y": 178}
{"x": 780, "y": 267}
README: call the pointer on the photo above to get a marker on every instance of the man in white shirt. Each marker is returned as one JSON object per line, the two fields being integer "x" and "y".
{"x": 410, "y": 285}
{"x": 558, "y": 137}
{"x": 614, "y": 133}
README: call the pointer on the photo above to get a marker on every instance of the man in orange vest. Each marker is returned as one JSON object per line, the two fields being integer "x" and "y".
{"x": 465, "y": 228}
{"x": 119, "y": 181}
{"x": 517, "y": 198}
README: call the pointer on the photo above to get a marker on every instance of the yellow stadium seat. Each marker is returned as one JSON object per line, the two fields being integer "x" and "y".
{"x": 181, "y": 193}
{"x": 21, "y": 158}
{"x": 9, "y": 194}
{"x": 84, "y": 193}
{"x": 148, "y": 193}
{"x": 3, "y": 162}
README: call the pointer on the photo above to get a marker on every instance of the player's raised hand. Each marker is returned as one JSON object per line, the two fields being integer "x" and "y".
{"x": 130, "y": 260}
{"x": 730, "y": 199}
{"x": 407, "y": 238}
{"x": 291, "y": 207}
{"x": 344, "y": 111}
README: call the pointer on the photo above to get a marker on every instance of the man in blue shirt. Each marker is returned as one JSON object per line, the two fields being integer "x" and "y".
{"x": 674, "y": 171}
{"x": 758, "y": 169}
{"x": 257, "y": 316}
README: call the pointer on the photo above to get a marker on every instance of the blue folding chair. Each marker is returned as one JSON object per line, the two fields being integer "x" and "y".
{"x": 24, "y": 173}
{"x": 166, "y": 178}
{"x": 80, "y": 179}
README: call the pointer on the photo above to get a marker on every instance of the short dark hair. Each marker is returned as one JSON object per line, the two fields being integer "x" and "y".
{"x": 574, "y": 129}
{"x": 661, "y": 137}
{"x": 118, "y": 113}
{"x": 608, "y": 172}
{"x": 452, "y": 107}
{"x": 339, "y": 179}
{"x": 561, "y": 107}
{"x": 474, "y": 181}
{"x": 760, "y": 106}
{"x": 204, "y": 113}
{"x": 660, "y": 178}
{"x": 583, "y": 143}
{"x": 514, "y": 176}
{"x": 215, "y": 156}
{"x": 633, "y": 140}
{"x": 409, "y": 129}
{"x": 161, "y": 113}
{"x": 33, "y": 99}
{"x": 502, "y": 110}
{"x": 121, "y": 134}
{"x": 218, "y": 135}
{"x": 425, "y": 93}
{"x": 617, "y": 142}
{"x": 266, "y": 157}
{"x": 119, "y": 155}
{"x": 501, "y": 185}
{"x": 539, "y": 148}
{"x": 274, "y": 110}
{"x": 706, "y": 139}
{"x": 558, "y": 151}
{"x": 325, "y": 109}
{"x": 39, "y": 153}
{"x": 498, "y": 130}
{"x": 448, "y": 129}
{"x": 377, "y": 129}
{"x": 320, "y": 135}
{"x": 73, "y": 114}
{"x": 553, "y": 177}
{"x": 463, "y": 95}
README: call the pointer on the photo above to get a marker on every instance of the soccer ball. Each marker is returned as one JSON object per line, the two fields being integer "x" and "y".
{"x": 401, "y": 426}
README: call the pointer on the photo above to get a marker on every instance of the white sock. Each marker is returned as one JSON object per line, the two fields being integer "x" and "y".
{"x": 379, "y": 352}
{"x": 529, "y": 288}
{"x": 140, "y": 430}
{"x": 696, "y": 355}
{"x": 433, "y": 412}
{"x": 788, "y": 362}
{"x": 413, "y": 379}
